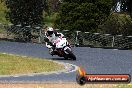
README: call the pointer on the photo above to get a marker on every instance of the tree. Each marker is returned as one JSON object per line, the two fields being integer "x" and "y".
{"x": 83, "y": 15}
{"x": 129, "y": 4}
{"x": 126, "y": 6}
{"x": 53, "y": 5}
{"x": 117, "y": 24}
{"x": 25, "y": 12}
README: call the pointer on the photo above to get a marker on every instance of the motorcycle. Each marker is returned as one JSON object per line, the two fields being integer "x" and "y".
{"x": 63, "y": 48}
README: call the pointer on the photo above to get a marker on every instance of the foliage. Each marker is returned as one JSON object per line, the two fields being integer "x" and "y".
{"x": 129, "y": 4}
{"x": 126, "y": 6}
{"x": 53, "y": 5}
{"x": 49, "y": 19}
{"x": 3, "y": 10}
{"x": 118, "y": 24}
{"x": 25, "y": 12}
{"x": 3, "y": 20}
{"x": 83, "y": 15}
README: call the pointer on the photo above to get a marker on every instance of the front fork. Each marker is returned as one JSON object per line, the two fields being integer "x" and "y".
{"x": 65, "y": 48}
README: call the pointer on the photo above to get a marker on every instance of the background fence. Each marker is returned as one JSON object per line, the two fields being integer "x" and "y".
{"x": 99, "y": 40}
{"x": 20, "y": 33}
{"x": 77, "y": 38}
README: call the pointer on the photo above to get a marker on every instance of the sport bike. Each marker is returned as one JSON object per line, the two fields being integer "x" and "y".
{"x": 63, "y": 48}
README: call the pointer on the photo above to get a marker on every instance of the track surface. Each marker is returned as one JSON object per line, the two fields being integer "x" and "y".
{"x": 93, "y": 60}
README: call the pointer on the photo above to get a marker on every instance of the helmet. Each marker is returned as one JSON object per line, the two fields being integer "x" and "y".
{"x": 50, "y": 31}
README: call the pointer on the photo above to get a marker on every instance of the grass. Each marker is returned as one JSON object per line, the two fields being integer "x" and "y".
{"x": 124, "y": 86}
{"x": 60, "y": 85}
{"x": 12, "y": 64}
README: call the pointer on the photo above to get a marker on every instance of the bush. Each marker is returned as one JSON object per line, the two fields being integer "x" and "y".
{"x": 83, "y": 15}
{"x": 118, "y": 24}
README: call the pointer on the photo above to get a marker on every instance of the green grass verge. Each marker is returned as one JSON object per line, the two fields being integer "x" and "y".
{"x": 124, "y": 86}
{"x": 13, "y": 64}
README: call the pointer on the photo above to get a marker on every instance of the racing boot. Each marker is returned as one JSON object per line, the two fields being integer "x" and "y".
{"x": 51, "y": 51}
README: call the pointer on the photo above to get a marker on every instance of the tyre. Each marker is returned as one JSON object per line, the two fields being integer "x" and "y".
{"x": 71, "y": 55}
{"x": 66, "y": 57}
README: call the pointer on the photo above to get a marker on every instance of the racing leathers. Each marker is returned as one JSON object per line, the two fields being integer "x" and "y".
{"x": 50, "y": 39}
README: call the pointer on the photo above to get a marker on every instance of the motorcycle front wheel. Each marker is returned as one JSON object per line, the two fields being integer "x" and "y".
{"x": 70, "y": 54}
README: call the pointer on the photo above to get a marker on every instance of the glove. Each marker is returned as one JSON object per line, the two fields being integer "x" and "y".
{"x": 53, "y": 46}
{"x": 49, "y": 46}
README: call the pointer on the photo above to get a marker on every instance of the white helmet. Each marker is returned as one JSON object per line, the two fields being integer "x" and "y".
{"x": 50, "y": 30}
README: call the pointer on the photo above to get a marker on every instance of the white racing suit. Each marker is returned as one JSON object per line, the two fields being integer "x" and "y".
{"x": 50, "y": 41}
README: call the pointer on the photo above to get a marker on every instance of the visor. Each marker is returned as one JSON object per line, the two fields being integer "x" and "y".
{"x": 50, "y": 32}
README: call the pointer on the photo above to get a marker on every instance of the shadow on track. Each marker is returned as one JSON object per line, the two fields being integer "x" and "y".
{"x": 61, "y": 59}
{"x": 57, "y": 58}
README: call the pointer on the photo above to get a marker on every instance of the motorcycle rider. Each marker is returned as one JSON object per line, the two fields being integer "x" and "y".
{"x": 50, "y": 36}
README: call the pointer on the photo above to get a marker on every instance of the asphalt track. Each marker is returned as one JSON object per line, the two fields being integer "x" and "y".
{"x": 93, "y": 60}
